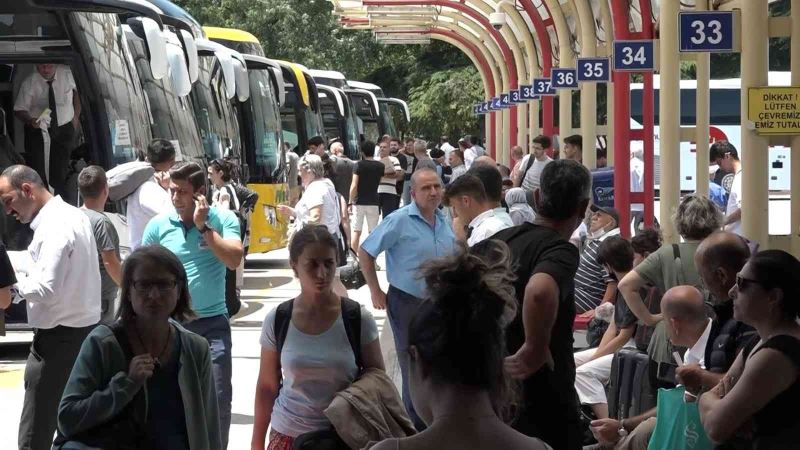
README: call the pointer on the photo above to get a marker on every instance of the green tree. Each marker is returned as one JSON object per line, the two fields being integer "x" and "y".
{"x": 443, "y": 102}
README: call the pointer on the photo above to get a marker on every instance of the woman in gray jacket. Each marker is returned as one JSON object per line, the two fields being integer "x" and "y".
{"x": 145, "y": 381}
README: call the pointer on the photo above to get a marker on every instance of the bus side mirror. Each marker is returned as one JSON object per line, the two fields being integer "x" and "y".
{"x": 157, "y": 48}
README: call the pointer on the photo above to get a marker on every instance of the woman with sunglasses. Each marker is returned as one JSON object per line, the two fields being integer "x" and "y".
{"x": 760, "y": 394}
{"x": 145, "y": 381}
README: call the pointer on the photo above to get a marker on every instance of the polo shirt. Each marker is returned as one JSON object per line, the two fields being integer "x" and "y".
{"x": 204, "y": 271}
{"x": 409, "y": 241}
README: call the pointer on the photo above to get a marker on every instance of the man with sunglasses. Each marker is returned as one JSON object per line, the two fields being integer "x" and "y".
{"x": 718, "y": 259}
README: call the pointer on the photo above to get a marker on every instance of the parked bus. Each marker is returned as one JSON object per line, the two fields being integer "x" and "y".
{"x": 389, "y": 109}
{"x": 87, "y": 37}
{"x": 264, "y": 166}
{"x": 725, "y": 121}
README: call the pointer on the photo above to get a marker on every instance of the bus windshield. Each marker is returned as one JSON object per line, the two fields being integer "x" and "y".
{"x": 171, "y": 116}
{"x": 215, "y": 116}
{"x": 117, "y": 83}
{"x": 267, "y": 141}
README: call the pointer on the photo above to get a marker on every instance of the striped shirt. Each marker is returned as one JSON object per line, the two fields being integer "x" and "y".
{"x": 591, "y": 278}
{"x": 389, "y": 185}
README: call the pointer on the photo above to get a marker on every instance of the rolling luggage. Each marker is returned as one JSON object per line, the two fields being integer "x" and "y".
{"x": 629, "y": 390}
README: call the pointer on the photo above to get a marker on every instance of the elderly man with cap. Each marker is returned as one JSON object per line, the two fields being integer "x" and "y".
{"x": 593, "y": 284}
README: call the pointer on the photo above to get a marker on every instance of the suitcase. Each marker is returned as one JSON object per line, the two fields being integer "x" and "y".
{"x": 629, "y": 389}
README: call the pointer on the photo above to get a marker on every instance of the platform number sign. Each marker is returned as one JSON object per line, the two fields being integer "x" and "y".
{"x": 505, "y": 100}
{"x": 526, "y": 92}
{"x": 594, "y": 69}
{"x": 564, "y": 78}
{"x": 485, "y": 107}
{"x": 634, "y": 56}
{"x": 543, "y": 87}
{"x": 709, "y": 31}
{"x": 516, "y": 96}
{"x": 494, "y": 104}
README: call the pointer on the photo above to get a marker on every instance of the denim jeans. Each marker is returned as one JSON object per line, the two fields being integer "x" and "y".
{"x": 401, "y": 307}
{"x": 217, "y": 331}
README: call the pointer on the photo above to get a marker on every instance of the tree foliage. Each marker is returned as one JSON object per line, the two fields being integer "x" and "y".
{"x": 442, "y": 103}
{"x": 307, "y": 32}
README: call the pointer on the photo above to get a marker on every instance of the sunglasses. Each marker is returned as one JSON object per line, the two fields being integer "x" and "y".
{"x": 742, "y": 282}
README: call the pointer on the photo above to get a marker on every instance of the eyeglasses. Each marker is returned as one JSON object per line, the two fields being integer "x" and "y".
{"x": 742, "y": 282}
{"x": 146, "y": 286}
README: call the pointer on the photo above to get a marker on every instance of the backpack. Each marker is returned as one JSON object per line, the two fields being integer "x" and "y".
{"x": 124, "y": 179}
{"x": 351, "y": 316}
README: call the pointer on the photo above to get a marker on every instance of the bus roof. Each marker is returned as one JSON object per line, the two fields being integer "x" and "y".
{"x": 230, "y": 34}
{"x": 775, "y": 79}
{"x": 332, "y": 74}
{"x": 362, "y": 85}
{"x": 299, "y": 71}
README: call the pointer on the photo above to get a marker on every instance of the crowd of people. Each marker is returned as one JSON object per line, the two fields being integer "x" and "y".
{"x": 488, "y": 267}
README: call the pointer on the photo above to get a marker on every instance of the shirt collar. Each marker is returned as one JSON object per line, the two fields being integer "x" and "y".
{"x": 413, "y": 210}
{"x": 698, "y": 350}
{"x": 48, "y": 207}
{"x": 476, "y": 222}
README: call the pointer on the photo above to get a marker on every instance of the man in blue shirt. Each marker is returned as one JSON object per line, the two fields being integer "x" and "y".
{"x": 410, "y": 236}
{"x": 206, "y": 240}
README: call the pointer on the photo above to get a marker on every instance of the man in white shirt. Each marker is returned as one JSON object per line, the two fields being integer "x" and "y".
{"x": 51, "y": 87}
{"x": 456, "y": 161}
{"x": 687, "y": 323}
{"x": 637, "y": 183}
{"x": 725, "y": 155}
{"x": 59, "y": 277}
{"x": 152, "y": 197}
{"x": 531, "y": 169}
{"x": 446, "y": 148}
{"x": 473, "y": 208}
{"x": 476, "y": 146}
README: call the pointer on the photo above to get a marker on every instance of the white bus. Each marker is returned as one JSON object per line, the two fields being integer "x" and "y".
{"x": 725, "y": 121}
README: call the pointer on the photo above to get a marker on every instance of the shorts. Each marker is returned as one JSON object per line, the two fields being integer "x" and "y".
{"x": 361, "y": 212}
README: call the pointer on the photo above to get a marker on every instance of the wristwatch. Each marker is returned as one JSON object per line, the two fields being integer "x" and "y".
{"x": 622, "y": 431}
{"x": 206, "y": 228}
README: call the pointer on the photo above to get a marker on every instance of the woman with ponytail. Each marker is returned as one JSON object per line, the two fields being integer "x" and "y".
{"x": 456, "y": 350}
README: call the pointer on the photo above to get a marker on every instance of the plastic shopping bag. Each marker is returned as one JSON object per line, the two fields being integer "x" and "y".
{"x": 678, "y": 425}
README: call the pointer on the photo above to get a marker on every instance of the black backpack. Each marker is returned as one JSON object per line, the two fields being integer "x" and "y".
{"x": 351, "y": 316}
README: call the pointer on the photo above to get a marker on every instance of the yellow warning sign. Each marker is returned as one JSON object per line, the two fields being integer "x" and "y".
{"x": 775, "y": 110}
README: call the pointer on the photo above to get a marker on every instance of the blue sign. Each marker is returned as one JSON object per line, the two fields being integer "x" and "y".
{"x": 485, "y": 107}
{"x": 516, "y": 96}
{"x": 526, "y": 92}
{"x": 505, "y": 100}
{"x": 707, "y": 31}
{"x": 564, "y": 78}
{"x": 634, "y": 56}
{"x": 543, "y": 87}
{"x": 594, "y": 69}
{"x": 494, "y": 104}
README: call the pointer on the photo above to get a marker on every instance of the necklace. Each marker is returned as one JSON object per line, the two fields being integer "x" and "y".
{"x": 156, "y": 359}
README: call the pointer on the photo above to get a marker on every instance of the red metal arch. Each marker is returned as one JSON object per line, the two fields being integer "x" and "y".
{"x": 478, "y": 17}
{"x": 548, "y": 128}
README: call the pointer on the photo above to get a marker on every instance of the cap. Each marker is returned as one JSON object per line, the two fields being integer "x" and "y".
{"x": 611, "y": 211}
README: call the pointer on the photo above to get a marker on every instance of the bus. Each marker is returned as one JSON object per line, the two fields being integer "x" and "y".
{"x": 388, "y": 108}
{"x": 86, "y": 36}
{"x": 300, "y": 114}
{"x": 264, "y": 163}
{"x": 725, "y": 124}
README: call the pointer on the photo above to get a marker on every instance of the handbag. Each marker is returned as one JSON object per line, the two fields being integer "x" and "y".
{"x": 678, "y": 426}
{"x": 350, "y": 273}
{"x": 319, "y": 440}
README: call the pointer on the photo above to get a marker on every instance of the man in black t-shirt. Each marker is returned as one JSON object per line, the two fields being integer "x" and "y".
{"x": 540, "y": 337}
{"x": 367, "y": 175}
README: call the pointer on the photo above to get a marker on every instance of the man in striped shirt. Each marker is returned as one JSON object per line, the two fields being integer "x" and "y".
{"x": 593, "y": 284}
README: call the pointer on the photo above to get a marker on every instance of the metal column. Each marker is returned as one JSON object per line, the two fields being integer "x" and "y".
{"x": 755, "y": 156}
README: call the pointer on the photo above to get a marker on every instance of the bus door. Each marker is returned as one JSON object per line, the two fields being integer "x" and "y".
{"x": 367, "y": 110}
